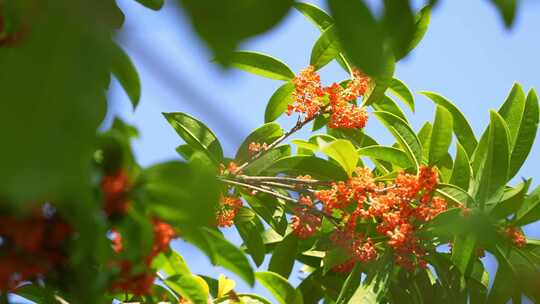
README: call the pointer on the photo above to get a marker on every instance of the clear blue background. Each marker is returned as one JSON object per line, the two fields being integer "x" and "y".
{"x": 467, "y": 55}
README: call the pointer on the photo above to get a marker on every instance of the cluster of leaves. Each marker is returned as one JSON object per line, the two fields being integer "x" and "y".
{"x": 98, "y": 226}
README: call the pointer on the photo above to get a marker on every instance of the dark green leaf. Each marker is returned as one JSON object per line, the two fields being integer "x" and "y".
{"x": 284, "y": 255}
{"x": 280, "y": 288}
{"x": 262, "y": 65}
{"x": 279, "y": 101}
{"x": 392, "y": 155}
{"x": 399, "y": 23}
{"x": 462, "y": 171}
{"x": 507, "y": 8}
{"x": 196, "y": 134}
{"x": 153, "y": 4}
{"x": 380, "y": 83}
{"x": 321, "y": 19}
{"x": 326, "y": 48}
{"x": 268, "y": 159}
{"x": 462, "y": 129}
{"x": 351, "y": 284}
{"x": 463, "y": 250}
{"x": 530, "y": 210}
{"x": 265, "y": 134}
{"x": 317, "y": 168}
{"x": 404, "y": 135}
{"x": 526, "y": 134}
{"x": 511, "y": 200}
{"x": 441, "y": 135}
{"x": 493, "y": 170}
{"x": 456, "y": 195}
{"x": 389, "y": 105}
{"x": 224, "y": 25}
{"x": 400, "y": 90}
{"x": 360, "y": 35}
{"x": 123, "y": 69}
{"x": 251, "y": 231}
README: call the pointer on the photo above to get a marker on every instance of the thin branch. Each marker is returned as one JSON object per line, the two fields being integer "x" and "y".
{"x": 282, "y": 179}
{"x": 257, "y": 188}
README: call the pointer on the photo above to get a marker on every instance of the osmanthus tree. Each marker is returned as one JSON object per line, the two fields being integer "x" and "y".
{"x": 82, "y": 222}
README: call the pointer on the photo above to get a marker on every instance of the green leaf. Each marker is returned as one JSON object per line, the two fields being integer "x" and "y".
{"x": 399, "y": 23}
{"x": 284, "y": 255}
{"x": 525, "y": 135}
{"x": 317, "y": 168}
{"x": 370, "y": 291}
{"x": 462, "y": 171}
{"x": 530, "y": 210}
{"x": 224, "y": 25}
{"x": 511, "y": 200}
{"x": 421, "y": 23}
{"x": 316, "y": 15}
{"x": 280, "y": 288}
{"x": 400, "y": 90}
{"x": 152, "y": 4}
{"x": 462, "y": 129}
{"x": 170, "y": 263}
{"x": 380, "y": 82}
{"x": 244, "y": 298}
{"x": 441, "y": 135}
{"x": 351, "y": 284}
{"x": 456, "y": 195}
{"x": 343, "y": 152}
{"x": 265, "y": 134}
{"x": 271, "y": 211}
{"x": 360, "y": 35}
{"x": 250, "y": 231}
{"x": 424, "y": 136}
{"x": 189, "y": 287}
{"x": 181, "y": 193}
{"x": 389, "y": 105}
{"x": 123, "y": 69}
{"x": 268, "y": 159}
{"x": 196, "y": 134}
{"x": 279, "y": 101}
{"x": 262, "y": 65}
{"x": 404, "y": 135}
{"x": 229, "y": 256}
{"x": 463, "y": 250}
{"x": 512, "y": 112}
{"x": 390, "y": 154}
{"x": 326, "y": 48}
{"x": 493, "y": 170}
{"x": 507, "y": 8}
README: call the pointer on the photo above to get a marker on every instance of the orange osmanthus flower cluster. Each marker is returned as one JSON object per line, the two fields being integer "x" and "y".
{"x": 141, "y": 283}
{"x": 516, "y": 236}
{"x": 255, "y": 148}
{"x": 305, "y": 223}
{"x": 309, "y": 93}
{"x": 115, "y": 189}
{"x": 31, "y": 247}
{"x": 227, "y": 210}
{"x": 397, "y": 208}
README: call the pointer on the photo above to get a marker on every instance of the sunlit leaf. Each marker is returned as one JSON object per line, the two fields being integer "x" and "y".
{"x": 280, "y": 288}
{"x": 265, "y": 134}
{"x": 317, "y": 168}
{"x": 343, "y": 152}
{"x": 267, "y": 159}
{"x": 441, "y": 135}
{"x": 462, "y": 171}
{"x": 326, "y": 48}
{"x": 316, "y": 15}
{"x": 400, "y": 90}
{"x": 262, "y": 65}
{"x": 530, "y": 210}
{"x": 279, "y": 101}
{"x": 390, "y": 154}
{"x": 389, "y": 105}
{"x": 189, "y": 287}
{"x": 284, "y": 255}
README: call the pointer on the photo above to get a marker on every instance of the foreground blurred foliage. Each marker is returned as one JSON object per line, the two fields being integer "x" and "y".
{"x": 82, "y": 222}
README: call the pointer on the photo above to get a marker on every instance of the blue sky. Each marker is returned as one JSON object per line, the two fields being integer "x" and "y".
{"x": 467, "y": 55}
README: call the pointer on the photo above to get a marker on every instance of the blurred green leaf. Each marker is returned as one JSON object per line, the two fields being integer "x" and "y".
{"x": 390, "y": 154}
{"x": 462, "y": 171}
{"x": 224, "y": 25}
{"x": 400, "y": 90}
{"x": 360, "y": 35}
{"x": 189, "y": 287}
{"x": 317, "y": 168}
{"x": 280, "y": 288}
{"x": 404, "y": 135}
{"x": 123, "y": 69}
{"x": 284, "y": 255}
{"x": 525, "y": 135}
{"x": 493, "y": 172}
{"x": 196, "y": 134}
{"x": 326, "y": 48}
{"x": 316, "y": 15}
{"x": 421, "y": 24}
{"x": 265, "y": 134}
{"x": 343, "y": 152}
{"x": 279, "y": 102}
{"x": 462, "y": 129}
{"x": 152, "y": 4}
{"x": 262, "y": 65}
{"x": 251, "y": 231}
{"x": 399, "y": 24}
{"x": 507, "y": 9}
{"x": 441, "y": 135}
